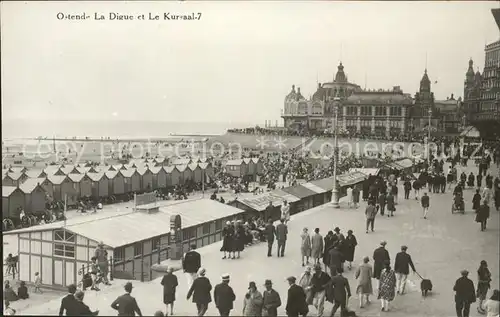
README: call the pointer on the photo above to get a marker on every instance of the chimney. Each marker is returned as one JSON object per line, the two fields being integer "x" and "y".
{"x": 298, "y": 90}
{"x": 319, "y": 85}
{"x": 293, "y": 88}
{"x": 452, "y": 98}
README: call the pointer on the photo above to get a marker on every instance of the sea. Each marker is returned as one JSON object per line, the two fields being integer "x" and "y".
{"x": 18, "y": 129}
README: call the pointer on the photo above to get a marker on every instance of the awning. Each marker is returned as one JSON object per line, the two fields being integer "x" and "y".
{"x": 314, "y": 188}
{"x": 324, "y": 183}
{"x": 366, "y": 171}
{"x": 405, "y": 163}
{"x": 351, "y": 178}
{"x": 285, "y": 196}
{"x": 299, "y": 191}
{"x": 260, "y": 202}
{"x": 470, "y": 132}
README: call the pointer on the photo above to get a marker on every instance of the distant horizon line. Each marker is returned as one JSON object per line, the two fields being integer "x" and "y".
{"x": 124, "y": 120}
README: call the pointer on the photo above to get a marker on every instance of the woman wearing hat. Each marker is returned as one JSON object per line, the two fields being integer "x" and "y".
{"x": 387, "y": 286}
{"x": 305, "y": 246}
{"x": 364, "y": 275}
{"x": 227, "y": 242}
{"x": 305, "y": 281}
{"x": 483, "y": 284}
{"x": 253, "y": 301}
{"x": 350, "y": 244}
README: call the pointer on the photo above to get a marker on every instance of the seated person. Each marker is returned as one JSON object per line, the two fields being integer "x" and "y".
{"x": 99, "y": 206}
{"x": 9, "y": 294}
{"x": 458, "y": 201}
{"x": 22, "y": 291}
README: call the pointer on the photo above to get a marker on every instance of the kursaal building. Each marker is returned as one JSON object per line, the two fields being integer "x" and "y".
{"x": 370, "y": 112}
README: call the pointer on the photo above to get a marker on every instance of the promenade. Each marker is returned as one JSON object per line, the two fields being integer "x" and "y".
{"x": 440, "y": 246}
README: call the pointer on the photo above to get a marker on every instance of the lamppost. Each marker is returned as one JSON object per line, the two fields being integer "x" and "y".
{"x": 335, "y": 192}
{"x": 429, "y": 139}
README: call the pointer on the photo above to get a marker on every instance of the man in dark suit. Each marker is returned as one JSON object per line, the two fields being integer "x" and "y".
{"x": 341, "y": 293}
{"x": 464, "y": 294}
{"x": 126, "y": 305}
{"x": 380, "y": 256}
{"x": 402, "y": 269}
{"x": 270, "y": 232}
{"x": 296, "y": 302}
{"x": 191, "y": 263}
{"x": 81, "y": 309}
{"x": 200, "y": 290}
{"x": 224, "y": 296}
{"x": 68, "y": 302}
{"x": 335, "y": 260}
{"x": 281, "y": 233}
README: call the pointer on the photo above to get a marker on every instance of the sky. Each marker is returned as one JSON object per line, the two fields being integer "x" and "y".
{"x": 235, "y": 64}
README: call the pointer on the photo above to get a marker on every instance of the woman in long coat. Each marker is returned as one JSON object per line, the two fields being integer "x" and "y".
{"x": 476, "y": 201}
{"x": 387, "y": 287}
{"x": 364, "y": 275}
{"x": 391, "y": 208}
{"x": 305, "y": 281}
{"x": 305, "y": 246}
{"x": 253, "y": 301}
{"x": 483, "y": 214}
{"x": 316, "y": 246}
{"x": 228, "y": 238}
{"x": 239, "y": 238}
{"x": 170, "y": 284}
{"x": 348, "y": 248}
{"x": 329, "y": 241}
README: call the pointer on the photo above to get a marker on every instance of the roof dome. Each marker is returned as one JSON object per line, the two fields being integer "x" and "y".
{"x": 340, "y": 76}
{"x": 292, "y": 94}
{"x": 470, "y": 70}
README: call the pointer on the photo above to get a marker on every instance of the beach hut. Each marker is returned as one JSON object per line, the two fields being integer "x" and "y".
{"x": 259, "y": 165}
{"x": 111, "y": 168}
{"x": 116, "y": 183}
{"x": 85, "y": 185}
{"x": 172, "y": 175}
{"x": 99, "y": 184}
{"x": 251, "y": 166}
{"x": 196, "y": 172}
{"x": 209, "y": 170}
{"x": 155, "y": 171}
{"x": 76, "y": 179}
{"x": 12, "y": 200}
{"x": 69, "y": 189}
{"x": 132, "y": 180}
{"x": 34, "y": 195}
{"x": 159, "y": 160}
{"x": 146, "y": 179}
{"x": 236, "y": 168}
{"x": 60, "y": 172}
{"x": 182, "y": 174}
{"x": 180, "y": 161}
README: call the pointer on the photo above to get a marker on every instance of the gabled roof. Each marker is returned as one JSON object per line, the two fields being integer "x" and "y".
{"x": 112, "y": 174}
{"x": 30, "y": 184}
{"x": 51, "y": 169}
{"x": 204, "y": 166}
{"x": 56, "y": 179}
{"x": 299, "y": 191}
{"x": 36, "y": 173}
{"x": 159, "y": 159}
{"x": 60, "y": 172}
{"x": 83, "y": 170}
{"x": 142, "y": 170}
{"x": 181, "y": 168}
{"x": 93, "y": 170}
{"x": 76, "y": 178}
{"x": 112, "y": 168}
{"x": 96, "y": 177}
{"x": 155, "y": 169}
{"x": 247, "y": 160}
{"x": 180, "y": 161}
{"x": 255, "y": 160}
{"x": 128, "y": 173}
{"x": 314, "y": 188}
{"x": 193, "y": 166}
{"x": 168, "y": 168}
{"x": 8, "y": 190}
{"x": 102, "y": 168}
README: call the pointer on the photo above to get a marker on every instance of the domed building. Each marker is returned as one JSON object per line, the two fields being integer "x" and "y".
{"x": 361, "y": 111}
